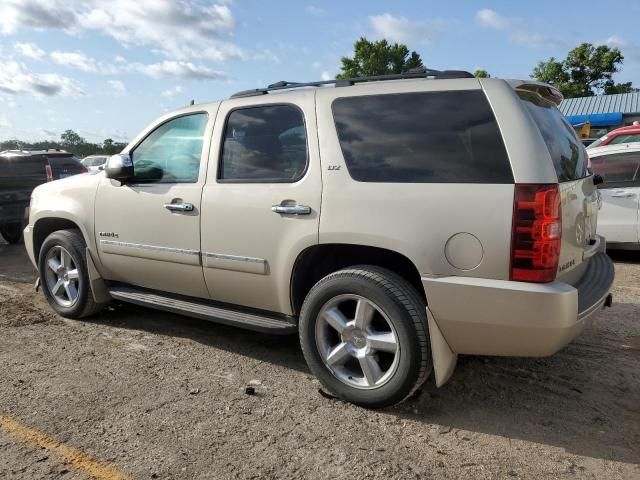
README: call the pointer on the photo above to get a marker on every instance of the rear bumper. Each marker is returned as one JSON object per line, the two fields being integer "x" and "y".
{"x": 499, "y": 317}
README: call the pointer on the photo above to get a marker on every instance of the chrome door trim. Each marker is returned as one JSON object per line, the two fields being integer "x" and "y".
{"x": 235, "y": 262}
{"x": 235, "y": 257}
{"x": 154, "y": 248}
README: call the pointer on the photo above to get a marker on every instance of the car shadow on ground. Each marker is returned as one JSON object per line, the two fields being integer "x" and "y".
{"x": 581, "y": 399}
{"x": 585, "y": 399}
{"x": 625, "y": 256}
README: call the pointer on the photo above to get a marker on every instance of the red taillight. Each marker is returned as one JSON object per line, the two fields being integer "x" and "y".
{"x": 536, "y": 233}
{"x": 83, "y": 170}
{"x": 49, "y": 173}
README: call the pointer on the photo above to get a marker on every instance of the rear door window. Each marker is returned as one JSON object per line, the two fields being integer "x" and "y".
{"x": 266, "y": 144}
{"x": 566, "y": 150}
{"x": 618, "y": 169}
{"x": 421, "y": 137}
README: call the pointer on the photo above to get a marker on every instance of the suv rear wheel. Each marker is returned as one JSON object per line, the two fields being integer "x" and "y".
{"x": 63, "y": 274}
{"x": 11, "y": 232}
{"x": 363, "y": 334}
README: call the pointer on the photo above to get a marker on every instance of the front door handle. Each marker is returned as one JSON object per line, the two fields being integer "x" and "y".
{"x": 291, "y": 209}
{"x": 179, "y": 207}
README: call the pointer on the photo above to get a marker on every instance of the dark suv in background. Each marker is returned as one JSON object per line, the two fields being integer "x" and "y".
{"x": 20, "y": 172}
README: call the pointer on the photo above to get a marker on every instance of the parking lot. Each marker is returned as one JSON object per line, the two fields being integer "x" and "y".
{"x": 140, "y": 394}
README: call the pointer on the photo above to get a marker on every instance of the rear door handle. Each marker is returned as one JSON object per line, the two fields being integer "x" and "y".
{"x": 291, "y": 209}
{"x": 623, "y": 194}
{"x": 179, "y": 207}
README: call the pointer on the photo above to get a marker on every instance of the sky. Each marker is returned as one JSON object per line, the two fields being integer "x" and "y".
{"x": 107, "y": 68}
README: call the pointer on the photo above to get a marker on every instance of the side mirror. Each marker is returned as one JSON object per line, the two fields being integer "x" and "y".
{"x": 119, "y": 167}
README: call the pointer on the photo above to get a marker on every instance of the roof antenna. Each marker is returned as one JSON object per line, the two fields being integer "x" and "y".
{"x": 192, "y": 102}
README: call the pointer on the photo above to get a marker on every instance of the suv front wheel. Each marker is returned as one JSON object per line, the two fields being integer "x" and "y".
{"x": 63, "y": 274}
{"x": 363, "y": 332}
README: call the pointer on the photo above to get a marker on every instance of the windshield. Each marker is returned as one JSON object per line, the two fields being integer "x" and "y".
{"x": 567, "y": 152}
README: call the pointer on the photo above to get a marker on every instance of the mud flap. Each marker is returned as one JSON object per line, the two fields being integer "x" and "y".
{"x": 98, "y": 287}
{"x": 444, "y": 360}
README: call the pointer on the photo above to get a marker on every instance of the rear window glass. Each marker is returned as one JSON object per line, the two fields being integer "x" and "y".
{"x": 423, "y": 137}
{"x": 566, "y": 150}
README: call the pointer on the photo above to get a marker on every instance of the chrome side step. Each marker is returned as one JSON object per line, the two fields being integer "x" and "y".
{"x": 203, "y": 310}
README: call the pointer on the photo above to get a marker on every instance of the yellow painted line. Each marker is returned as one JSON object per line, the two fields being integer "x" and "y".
{"x": 74, "y": 457}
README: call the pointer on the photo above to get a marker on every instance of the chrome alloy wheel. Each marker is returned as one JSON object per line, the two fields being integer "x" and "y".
{"x": 357, "y": 342}
{"x": 62, "y": 277}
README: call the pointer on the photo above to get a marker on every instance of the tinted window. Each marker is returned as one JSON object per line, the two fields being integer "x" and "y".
{"x": 443, "y": 137}
{"x": 171, "y": 153}
{"x": 264, "y": 144}
{"x": 62, "y": 167}
{"x": 628, "y": 138}
{"x": 618, "y": 169}
{"x": 566, "y": 150}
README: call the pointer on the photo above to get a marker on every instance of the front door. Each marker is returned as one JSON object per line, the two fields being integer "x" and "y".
{"x": 261, "y": 203}
{"x": 618, "y": 218}
{"x": 148, "y": 230}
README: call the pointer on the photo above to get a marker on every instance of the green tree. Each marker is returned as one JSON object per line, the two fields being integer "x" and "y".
{"x": 108, "y": 143}
{"x": 378, "y": 58}
{"x": 71, "y": 138}
{"x": 588, "y": 70}
{"x": 481, "y": 74}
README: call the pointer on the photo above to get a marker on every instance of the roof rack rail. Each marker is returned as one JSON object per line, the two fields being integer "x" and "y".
{"x": 420, "y": 72}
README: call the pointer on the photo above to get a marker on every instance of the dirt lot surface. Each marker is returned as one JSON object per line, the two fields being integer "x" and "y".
{"x": 154, "y": 395}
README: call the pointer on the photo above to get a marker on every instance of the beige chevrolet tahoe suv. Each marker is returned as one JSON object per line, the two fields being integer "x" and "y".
{"x": 393, "y": 222}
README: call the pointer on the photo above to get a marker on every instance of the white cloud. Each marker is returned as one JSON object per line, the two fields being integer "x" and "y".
{"x": 326, "y": 75}
{"x": 517, "y": 32}
{"x": 117, "y": 87}
{"x": 76, "y": 60}
{"x": 491, "y": 19}
{"x": 178, "y": 69}
{"x": 30, "y": 50}
{"x": 172, "y": 92}
{"x": 16, "y": 78}
{"x": 316, "y": 11}
{"x": 38, "y": 14}
{"x": 616, "y": 41}
{"x": 177, "y": 28}
{"x": 401, "y": 29}
{"x": 4, "y": 123}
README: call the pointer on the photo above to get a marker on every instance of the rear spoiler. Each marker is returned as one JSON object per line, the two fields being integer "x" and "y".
{"x": 543, "y": 90}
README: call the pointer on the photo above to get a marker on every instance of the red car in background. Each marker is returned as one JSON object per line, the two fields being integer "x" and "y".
{"x": 628, "y": 134}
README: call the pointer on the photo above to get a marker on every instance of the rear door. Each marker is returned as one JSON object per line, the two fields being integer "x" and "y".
{"x": 579, "y": 196}
{"x": 261, "y": 202}
{"x": 618, "y": 220}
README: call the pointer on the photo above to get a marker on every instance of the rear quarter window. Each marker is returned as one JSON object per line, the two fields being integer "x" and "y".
{"x": 421, "y": 137}
{"x": 567, "y": 152}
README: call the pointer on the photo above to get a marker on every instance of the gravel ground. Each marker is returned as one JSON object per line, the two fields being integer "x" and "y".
{"x": 156, "y": 395}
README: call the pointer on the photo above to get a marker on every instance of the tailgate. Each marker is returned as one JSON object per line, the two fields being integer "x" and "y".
{"x": 579, "y": 196}
{"x": 62, "y": 167}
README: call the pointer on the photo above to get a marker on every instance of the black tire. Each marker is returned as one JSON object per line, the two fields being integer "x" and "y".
{"x": 405, "y": 310}
{"x": 11, "y": 232}
{"x": 73, "y": 243}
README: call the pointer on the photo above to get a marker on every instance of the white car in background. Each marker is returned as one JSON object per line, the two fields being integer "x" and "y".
{"x": 619, "y": 218}
{"x": 94, "y": 162}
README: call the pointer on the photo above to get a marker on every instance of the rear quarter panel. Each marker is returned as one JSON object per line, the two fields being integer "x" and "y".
{"x": 414, "y": 219}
